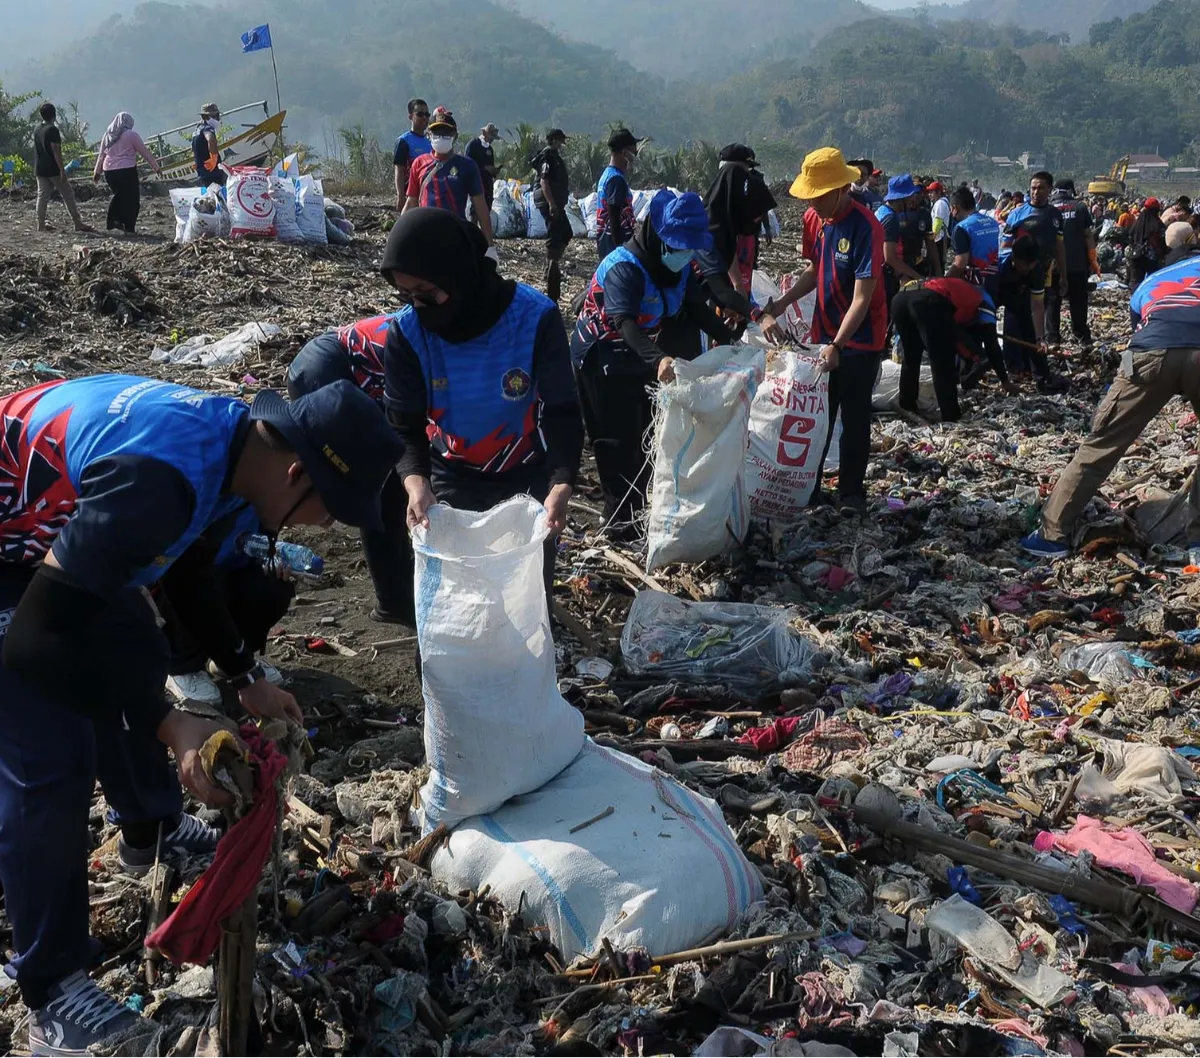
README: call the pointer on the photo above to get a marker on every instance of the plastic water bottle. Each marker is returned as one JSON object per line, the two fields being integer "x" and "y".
{"x": 296, "y": 557}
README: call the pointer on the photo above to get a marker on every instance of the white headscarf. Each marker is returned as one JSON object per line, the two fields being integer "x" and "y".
{"x": 116, "y": 129}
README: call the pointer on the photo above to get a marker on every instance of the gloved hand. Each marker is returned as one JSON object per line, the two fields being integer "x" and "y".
{"x": 493, "y": 254}
{"x": 210, "y": 163}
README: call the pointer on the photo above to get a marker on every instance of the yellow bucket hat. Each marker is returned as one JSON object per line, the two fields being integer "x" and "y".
{"x": 824, "y": 170}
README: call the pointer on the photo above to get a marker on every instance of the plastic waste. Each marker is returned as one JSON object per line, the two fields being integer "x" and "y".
{"x": 296, "y": 557}
{"x": 210, "y": 352}
{"x": 1110, "y": 665}
{"x": 750, "y": 648}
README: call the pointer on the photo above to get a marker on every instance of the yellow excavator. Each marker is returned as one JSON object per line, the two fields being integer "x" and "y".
{"x": 1113, "y": 185}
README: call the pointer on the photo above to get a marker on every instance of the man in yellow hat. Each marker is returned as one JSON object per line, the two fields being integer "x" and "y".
{"x": 843, "y": 243}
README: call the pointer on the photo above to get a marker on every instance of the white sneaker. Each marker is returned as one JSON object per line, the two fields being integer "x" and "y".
{"x": 270, "y": 672}
{"x": 194, "y": 687}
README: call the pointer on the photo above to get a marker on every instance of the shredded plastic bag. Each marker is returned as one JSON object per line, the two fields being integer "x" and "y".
{"x": 207, "y": 218}
{"x": 508, "y": 213}
{"x": 251, "y": 208}
{"x": 789, "y": 421}
{"x": 283, "y": 194}
{"x": 698, "y": 506}
{"x": 310, "y": 211}
{"x": 1110, "y": 665}
{"x": 750, "y": 648}
{"x": 655, "y": 866}
{"x": 181, "y": 202}
{"x": 207, "y": 351}
{"x": 495, "y": 724}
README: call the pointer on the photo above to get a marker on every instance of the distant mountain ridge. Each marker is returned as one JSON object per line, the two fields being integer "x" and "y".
{"x": 1072, "y": 17}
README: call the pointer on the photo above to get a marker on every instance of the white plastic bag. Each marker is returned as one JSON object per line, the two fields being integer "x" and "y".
{"x": 283, "y": 194}
{"x": 310, "y": 210}
{"x": 207, "y": 351}
{"x": 181, "y": 202}
{"x": 797, "y": 320}
{"x": 207, "y": 218}
{"x": 588, "y": 207}
{"x": 698, "y": 506}
{"x": 886, "y": 395}
{"x": 656, "y": 868}
{"x": 789, "y": 421}
{"x": 508, "y": 213}
{"x": 251, "y": 208}
{"x": 579, "y": 227}
{"x": 495, "y": 724}
{"x": 748, "y": 647}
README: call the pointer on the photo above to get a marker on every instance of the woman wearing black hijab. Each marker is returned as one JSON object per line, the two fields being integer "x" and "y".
{"x": 478, "y": 377}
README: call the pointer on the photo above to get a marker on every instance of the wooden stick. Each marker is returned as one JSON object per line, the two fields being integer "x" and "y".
{"x": 633, "y": 570}
{"x": 725, "y": 947}
{"x": 385, "y": 644}
{"x": 239, "y": 937}
{"x": 573, "y": 625}
{"x": 595, "y": 819}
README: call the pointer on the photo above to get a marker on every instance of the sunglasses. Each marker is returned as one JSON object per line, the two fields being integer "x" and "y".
{"x": 420, "y": 299}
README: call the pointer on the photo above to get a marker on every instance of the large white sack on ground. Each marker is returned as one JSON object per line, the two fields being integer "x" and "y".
{"x": 588, "y": 206}
{"x": 660, "y": 871}
{"x": 698, "y": 506}
{"x": 535, "y": 223}
{"x": 251, "y": 208}
{"x": 508, "y": 212}
{"x": 181, "y": 202}
{"x": 789, "y": 421}
{"x": 886, "y": 395}
{"x": 579, "y": 228}
{"x": 207, "y": 218}
{"x": 495, "y": 724}
{"x": 283, "y": 194}
{"x": 310, "y": 210}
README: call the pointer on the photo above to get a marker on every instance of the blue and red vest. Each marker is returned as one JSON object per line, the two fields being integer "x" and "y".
{"x": 54, "y": 432}
{"x": 484, "y": 407}
{"x": 658, "y": 303}
{"x": 364, "y": 343}
{"x": 1166, "y": 308}
{"x": 628, "y": 220}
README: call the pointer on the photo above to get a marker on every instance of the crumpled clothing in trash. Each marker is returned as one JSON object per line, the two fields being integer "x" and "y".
{"x": 193, "y": 930}
{"x": 1152, "y": 770}
{"x": 829, "y": 741}
{"x": 821, "y": 1003}
{"x": 768, "y": 739}
{"x": 1123, "y": 850}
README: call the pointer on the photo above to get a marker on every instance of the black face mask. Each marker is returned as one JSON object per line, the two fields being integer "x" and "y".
{"x": 438, "y": 317}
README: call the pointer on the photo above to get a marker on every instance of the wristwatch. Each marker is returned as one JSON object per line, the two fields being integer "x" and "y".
{"x": 250, "y": 676}
{"x": 838, "y": 346}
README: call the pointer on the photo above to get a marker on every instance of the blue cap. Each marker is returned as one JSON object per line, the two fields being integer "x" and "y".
{"x": 345, "y": 442}
{"x": 901, "y": 186}
{"x": 681, "y": 221}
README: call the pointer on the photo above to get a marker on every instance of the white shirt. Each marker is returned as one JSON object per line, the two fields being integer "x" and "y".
{"x": 941, "y": 211}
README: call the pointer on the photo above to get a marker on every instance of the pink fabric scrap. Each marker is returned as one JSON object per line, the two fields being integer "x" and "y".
{"x": 1150, "y": 998}
{"x": 1123, "y": 850}
{"x": 768, "y": 739}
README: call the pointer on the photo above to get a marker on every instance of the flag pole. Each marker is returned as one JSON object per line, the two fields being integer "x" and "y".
{"x": 275, "y": 70}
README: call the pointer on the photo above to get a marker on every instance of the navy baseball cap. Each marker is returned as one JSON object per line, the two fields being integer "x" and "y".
{"x": 681, "y": 221}
{"x": 345, "y": 442}
{"x": 901, "y": 186}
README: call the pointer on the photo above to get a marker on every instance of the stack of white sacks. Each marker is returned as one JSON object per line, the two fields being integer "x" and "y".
{"x": 277, "y": 203}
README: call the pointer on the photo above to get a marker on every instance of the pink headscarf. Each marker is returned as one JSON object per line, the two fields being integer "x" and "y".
{"x": 116, "y": 129}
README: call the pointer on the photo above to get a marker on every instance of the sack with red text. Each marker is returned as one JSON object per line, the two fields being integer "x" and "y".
{"x": 251, "y": 208}
{"x": 788, "y": 423}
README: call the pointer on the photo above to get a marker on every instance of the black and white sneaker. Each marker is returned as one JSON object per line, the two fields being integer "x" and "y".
{"x": 77, "y": 1016}
{"x": 187, "y": 841}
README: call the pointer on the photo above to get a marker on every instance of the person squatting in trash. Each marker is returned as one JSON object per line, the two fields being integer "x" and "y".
{"x": 204, "y": 147}
{"x": 950, "y": 319}
{"x": 478, "y": 382}
{"x": 107, "y": 481}
{"x": 248, "y": 597}
{"x": 1162, "y": 361}
{"x": 844, "y": 243}
{"x": 550, "y": 195}
{"x": 356, "y": 353}
{"x": 619, "y": 347}
{"x": 615, "y": 222}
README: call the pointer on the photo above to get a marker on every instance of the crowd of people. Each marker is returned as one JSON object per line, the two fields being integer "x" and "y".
{"x": 123, "y": 566}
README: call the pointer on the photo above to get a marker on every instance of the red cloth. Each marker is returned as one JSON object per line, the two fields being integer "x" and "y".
{"x": 769, "y": 739}
{"x": 193, "y": 931}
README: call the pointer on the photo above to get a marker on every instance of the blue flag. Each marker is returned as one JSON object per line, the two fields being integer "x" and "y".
{"x": 257, "y": 39}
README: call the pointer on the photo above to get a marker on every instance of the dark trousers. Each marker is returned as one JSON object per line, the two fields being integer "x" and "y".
{"x": 925, "y": 322}
{"x": 256, "y": 599}
{"x": 618, "y": 414}
{"x": 850, "y": 389}
{"x": 126, "y": 201}
{"x": 50, "y": 758}
{"x": 1138, "y": 268}
{"x": 321, "y": 362}
{"x": 605, "y": 245}
{"x": 218, "y": 176}
{"x": 1077, "y": 301}
{"x": 1018, "y": 324}
{"x": 559, "y": 228}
